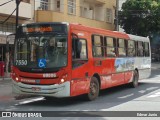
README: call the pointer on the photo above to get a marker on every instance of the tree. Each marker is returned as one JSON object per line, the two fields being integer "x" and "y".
{"x": 140, "y": 17}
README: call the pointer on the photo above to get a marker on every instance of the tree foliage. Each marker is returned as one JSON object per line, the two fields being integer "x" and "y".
{"x": 140, "y": 17}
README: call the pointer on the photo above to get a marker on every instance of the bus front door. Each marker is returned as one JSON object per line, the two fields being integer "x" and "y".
{"x": 80, "y": 67}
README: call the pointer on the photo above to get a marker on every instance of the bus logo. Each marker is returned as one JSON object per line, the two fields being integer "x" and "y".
{"x": 6, "y": 114}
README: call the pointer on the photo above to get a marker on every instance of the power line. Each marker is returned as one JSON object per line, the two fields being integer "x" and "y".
{"x": 6, "y": 2}
{"x": 8, "y": 17}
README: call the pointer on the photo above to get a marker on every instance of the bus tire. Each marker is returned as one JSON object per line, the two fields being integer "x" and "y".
{"x": 134, "y": 82}
{"x": 93, "y": 89}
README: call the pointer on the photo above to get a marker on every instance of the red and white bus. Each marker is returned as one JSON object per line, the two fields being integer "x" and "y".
{"x": 63, "y": 60}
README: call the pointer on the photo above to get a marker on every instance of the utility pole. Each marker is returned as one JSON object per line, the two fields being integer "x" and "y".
{"x": 17, "y": 14}
{"x": 117, "y": 17}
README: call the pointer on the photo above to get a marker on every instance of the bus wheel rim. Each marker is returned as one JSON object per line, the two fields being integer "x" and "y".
{"x": 93, "y": 88}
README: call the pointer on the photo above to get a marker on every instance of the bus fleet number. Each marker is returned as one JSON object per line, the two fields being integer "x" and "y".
{"x": 21, "y": 62}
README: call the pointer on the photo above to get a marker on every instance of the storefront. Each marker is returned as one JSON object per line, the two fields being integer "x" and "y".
{"x": 6, "y": 52}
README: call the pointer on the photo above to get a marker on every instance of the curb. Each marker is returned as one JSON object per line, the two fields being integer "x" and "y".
{"x": 5, "y": 80}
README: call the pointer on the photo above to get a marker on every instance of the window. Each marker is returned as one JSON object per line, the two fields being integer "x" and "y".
{"x": 58, "y": 4}
{"x": 79, "y": 49}
{"x": 121, "y": 48}
{"x": 26, "y": 1}
{"x": 79, "y": 52}
{"x": 22, "y": 46}
{"x": 97, "y": 48}
{"x": 83, "y": 51}
{"x": 146, "y": 49}
{"x": 44, "y": 4}
{"x": 140, "y": 49}
{"x": 111, "y": 46}
{"x": 72, "y": 7}
{"x": 131, "y": 48}
{"x": 109, "y": 15}
{"x": 7, "y": 28}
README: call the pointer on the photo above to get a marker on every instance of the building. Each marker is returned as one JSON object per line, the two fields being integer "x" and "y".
{"x": 8, "y": 26}
{"x": 94, "y": 13}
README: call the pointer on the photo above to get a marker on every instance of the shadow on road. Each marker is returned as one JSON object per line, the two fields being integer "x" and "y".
{"x": 155, "y": 73}
{"x": 107, "y": 99}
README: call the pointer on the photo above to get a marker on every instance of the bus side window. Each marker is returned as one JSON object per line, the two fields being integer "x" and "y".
{"x": 121, "y": 48}
{"x": 111, "y": 46}
{"x": 140, "y": 49}
{"x": 76, "y": 48}
{"x": 79, "y": 49}
{"x": 79, "y": 52}
{"x": 97, "y": 46}
{"x": 131, "y": 48}
{"x": 146, "y": 49}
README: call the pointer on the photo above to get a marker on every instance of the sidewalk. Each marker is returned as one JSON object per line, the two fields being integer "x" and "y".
{"x": 155, "y": 65}
{"x": 5, "y": 79}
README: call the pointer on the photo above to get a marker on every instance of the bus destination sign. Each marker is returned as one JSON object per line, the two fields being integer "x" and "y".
{"x": 37, "y": 29}
{"x": 41, "y": 28}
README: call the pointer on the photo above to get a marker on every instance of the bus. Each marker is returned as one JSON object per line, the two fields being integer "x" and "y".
{"x": 58, "y": 59}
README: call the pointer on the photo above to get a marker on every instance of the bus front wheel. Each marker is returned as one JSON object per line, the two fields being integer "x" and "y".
{"x": 93, "y": 89}
{"x": 134, "y": 82}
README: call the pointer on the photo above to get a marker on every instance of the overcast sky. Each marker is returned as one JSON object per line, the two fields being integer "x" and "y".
{"x": 120, "y": 3}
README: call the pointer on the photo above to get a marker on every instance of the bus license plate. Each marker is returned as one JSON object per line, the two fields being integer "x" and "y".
{"x": 36, "y": 89}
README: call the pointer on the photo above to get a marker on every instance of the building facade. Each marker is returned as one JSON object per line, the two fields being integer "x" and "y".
{"x": 94, "y": 13}
{"x": 7, "y": 26}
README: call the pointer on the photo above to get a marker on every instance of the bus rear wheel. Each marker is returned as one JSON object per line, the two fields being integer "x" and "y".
{"x": 134, "y": 82}
{"x": 94, "y": 89}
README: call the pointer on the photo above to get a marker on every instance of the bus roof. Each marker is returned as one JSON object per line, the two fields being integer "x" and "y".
{"x": 99, "y": 31}
{"x": 138, "y": 38}
{"x": 110, "y": 33}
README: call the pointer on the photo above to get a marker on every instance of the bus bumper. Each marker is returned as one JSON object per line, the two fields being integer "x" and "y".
{"x": 56, "y": 90}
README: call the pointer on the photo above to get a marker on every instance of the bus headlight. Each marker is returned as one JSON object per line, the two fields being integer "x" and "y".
{"x": 62, "y": 80}
{"x": 17, "y": 79}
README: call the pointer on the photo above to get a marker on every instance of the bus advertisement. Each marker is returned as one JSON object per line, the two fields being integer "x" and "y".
{"x": 63, "y": 60}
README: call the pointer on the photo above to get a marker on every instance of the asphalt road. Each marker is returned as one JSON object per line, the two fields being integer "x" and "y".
{"x": 146, "y": 97}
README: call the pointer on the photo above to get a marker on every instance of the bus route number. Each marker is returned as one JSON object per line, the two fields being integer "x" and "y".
{"x": 21, "y": 62}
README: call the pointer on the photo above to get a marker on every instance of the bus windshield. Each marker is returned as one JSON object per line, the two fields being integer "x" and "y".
{"x": 43, "y": 52}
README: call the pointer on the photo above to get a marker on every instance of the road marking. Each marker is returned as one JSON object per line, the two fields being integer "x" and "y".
{"x": 126, "y": 96}
{"x": 31, "y": 100}
{"x": 148, "y": 89}
{"x": 154, "y": 95}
